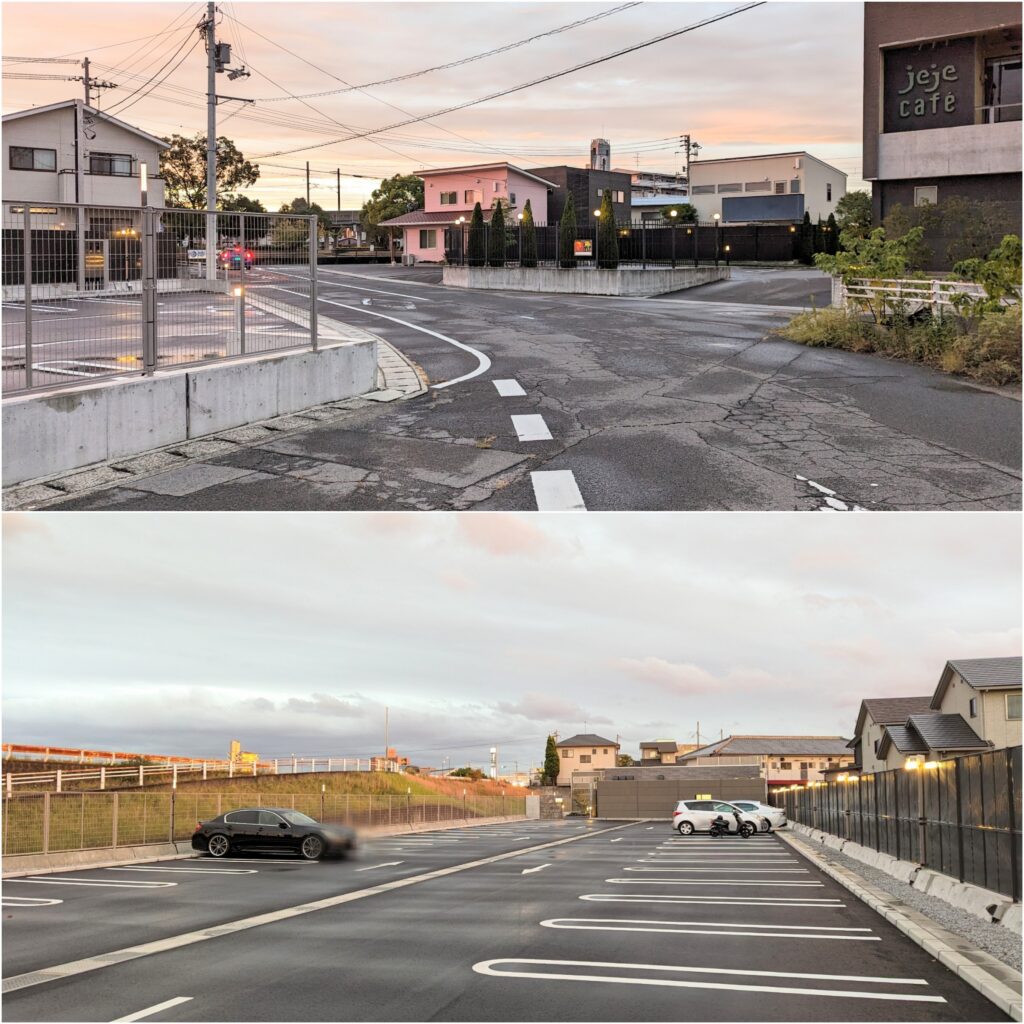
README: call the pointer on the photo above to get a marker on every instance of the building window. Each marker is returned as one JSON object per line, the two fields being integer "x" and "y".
{"x": 876, "y": 746}
{"x": 584, "y": 759}
{"x": 512, "y": 199}
{"x": 731, "y": 186}
{"x": 780, "y": 188}
{"x": 471, "y": 195}
{"x": 600, "y": 192}
{"x": 605, "y": 751}
{"x": 25, "y": 158}
{"x": 118, "y": 165}
{"x": 567, "y": 753}
{"x": 758, "y": 186}
{"x": 926, "y": 195}
{"x": 620, "y": 197}
{"x": 828, "y": 192}
{"x": 497, "y": 185}
{"x": 972, "y": 706}
{"x": 1013, "y": 707}
{"x": 1002, "y": 89}
{"x": 449, "y": 198}
{"x": 702, "y": 190}
{"x": 428, "y": 238}
{"x": 785, "y": 765}
{"x": 794, "y": 186}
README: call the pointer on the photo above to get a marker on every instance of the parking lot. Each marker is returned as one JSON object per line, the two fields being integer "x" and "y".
{"x": 575, "y": 920}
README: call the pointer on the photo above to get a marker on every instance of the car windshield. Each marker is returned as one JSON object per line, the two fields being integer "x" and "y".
{"x": 297, "y": 818}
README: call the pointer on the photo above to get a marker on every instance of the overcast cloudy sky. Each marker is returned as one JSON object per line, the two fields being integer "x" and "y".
{"x": 170, "y": 633}
{"x": 781, "y": 77}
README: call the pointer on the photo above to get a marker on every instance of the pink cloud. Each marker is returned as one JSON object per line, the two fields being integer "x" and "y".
{"x": 501, "y": 534}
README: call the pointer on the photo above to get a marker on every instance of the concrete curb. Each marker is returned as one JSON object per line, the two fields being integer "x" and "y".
{"x": 79, "y": 860}
{"x": 997, "y": 982}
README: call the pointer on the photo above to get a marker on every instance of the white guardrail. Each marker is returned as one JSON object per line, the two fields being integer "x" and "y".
{"x": 913, "y": 295}
{"x": 204, "y": 769}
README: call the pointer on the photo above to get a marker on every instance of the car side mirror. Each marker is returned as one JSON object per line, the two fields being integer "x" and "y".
{"x": 284, "y": 824}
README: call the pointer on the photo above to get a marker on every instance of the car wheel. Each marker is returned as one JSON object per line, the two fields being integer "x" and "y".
{"x": 312, "y": 847}
{"x": 747, "y": 829}
{"x": 685, "y": 828}
{"x": 218, "y": 845}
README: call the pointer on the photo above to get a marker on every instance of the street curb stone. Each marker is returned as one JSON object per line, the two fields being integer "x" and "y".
{"x": 1000, "y": 984}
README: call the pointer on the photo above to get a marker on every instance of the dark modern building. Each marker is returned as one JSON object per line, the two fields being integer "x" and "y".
{"x": 942, "y": 104}
{"x": 587, "y": 187}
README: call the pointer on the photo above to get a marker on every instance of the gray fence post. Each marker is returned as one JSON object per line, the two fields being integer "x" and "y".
{"x": 103, "y": 777}
{"x": 1011, "y": 783}
{"x": 149, "y": 359}
{"x": 26, "y": 246}
{"x": 313, "y": 340}
{"x": 113, "y": 818}
{"x": 58, "y": 780}
{"x": 46, "y": 823}
{"x": 170, "y": 837}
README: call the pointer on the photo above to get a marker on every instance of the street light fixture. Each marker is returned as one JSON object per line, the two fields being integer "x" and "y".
{"x": 462, "y": 238}
{"x": 673, "y": 214}
{"x": 597, "y": 236}
{"x": 716, "y": 217}
{"x": 519, "y": 217}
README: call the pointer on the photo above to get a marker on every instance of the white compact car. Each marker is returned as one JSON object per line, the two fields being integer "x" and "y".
{"x": 696, "y": 816}
{"x": 774, "y": 816}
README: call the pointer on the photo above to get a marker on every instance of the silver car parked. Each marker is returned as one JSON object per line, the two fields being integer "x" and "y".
{"x": 696, "y": 816}
{"x": 773, "y": 817}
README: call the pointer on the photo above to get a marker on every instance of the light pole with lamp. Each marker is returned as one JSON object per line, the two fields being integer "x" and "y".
{"x": 673, "y": 214}
{"x": 461, "y": 221}
{"x": 717, "y": 217}
{"x": 519, "y": 217}
{"x": 597, "y": 234}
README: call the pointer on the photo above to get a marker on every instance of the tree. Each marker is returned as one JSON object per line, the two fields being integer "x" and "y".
{"x": 183, "y": 168}
{"x": 473, "y": 774}
{"x": 686, "y": 213}
{"x": 567, "y": 235}
{"x": 831, "y": 235}
{"x": 624, "y": 761}
{"x": 497, "y": 241}
{"x": 552, "y": 765}
{"x": 241, "y": 204}
{"x": 806, "y": 244}
{"x": 299, "y": 205}
{"x": 853, "y": 213}
{"x": 475, "y": 250}
{"x": 607, "y": 235}
{"x": 528, "y": 254}
{"x": 399, "y": 194}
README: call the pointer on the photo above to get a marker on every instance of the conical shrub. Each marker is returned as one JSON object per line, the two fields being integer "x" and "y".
{"x": 475, "y": 249}
{"x": 567, "y": 236}
{"x": 607, "y": 235}
{"x": 528, "y": 253}
{"x": 497, "y": 241}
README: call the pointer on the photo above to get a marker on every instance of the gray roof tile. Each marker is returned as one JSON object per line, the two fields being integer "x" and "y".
{"x": 989, "y": 673}
{"x": 586, "y": 739}
{"x": 946, "y": 732}
{"x": 896, "y": 710}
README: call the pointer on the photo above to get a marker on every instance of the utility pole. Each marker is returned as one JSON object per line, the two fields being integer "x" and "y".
{"x": 338, "y": 173}
{"x": 690, "y": 150}
{"x": 85, "y": 81}
{"x": 698, "y": 735}
{"x": 385, "y": 734}
{"x": 307, "y": 183}
{"x": 209, "y": 27}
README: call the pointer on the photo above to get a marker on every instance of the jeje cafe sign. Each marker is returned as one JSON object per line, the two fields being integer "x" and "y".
{"x": 929, "y": 86}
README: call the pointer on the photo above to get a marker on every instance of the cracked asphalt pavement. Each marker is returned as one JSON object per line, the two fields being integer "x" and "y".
{"x": 679, "y": 402}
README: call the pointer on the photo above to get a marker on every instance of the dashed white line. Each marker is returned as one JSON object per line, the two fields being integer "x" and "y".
{"x": 531, "y": 428}
{"x": 150, "y": 1010}
{"x": 386, "y": 864}
{"x": 539, "y": 867}
{"x": 764, "y": 931}
{"x": 555, "y": 490}
{"x": 509, "y": 388}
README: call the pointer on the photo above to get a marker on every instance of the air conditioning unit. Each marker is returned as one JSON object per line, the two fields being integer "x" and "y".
{"x": 798, "y": 163}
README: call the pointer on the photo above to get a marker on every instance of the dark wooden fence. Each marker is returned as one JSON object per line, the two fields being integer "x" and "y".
{"x": 960, "y": 817}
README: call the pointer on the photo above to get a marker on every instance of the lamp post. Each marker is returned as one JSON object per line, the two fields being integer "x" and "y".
{"x": 727, "y": 249}
{"x": 597, "y": 235}
{"x": 673, "y": 214}
{"x": 519, "y": 217}
{"x": 717, "y": 218}
{"x": 144, "y": 182}
{"x": 461, "y": 221}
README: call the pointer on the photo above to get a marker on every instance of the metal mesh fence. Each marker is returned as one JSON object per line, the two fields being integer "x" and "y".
{"x": 93, "y": 292}
{"x": 55, "y": 822}
{"x": 960, "y": 817}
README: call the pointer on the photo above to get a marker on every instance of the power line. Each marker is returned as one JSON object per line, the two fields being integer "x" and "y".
{"x": 536, "y": 81}
{"x": 121, "y": 105}
{"x": 348, "y": 87}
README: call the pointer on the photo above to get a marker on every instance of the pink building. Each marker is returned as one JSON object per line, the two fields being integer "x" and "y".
{"x": 452, "y": 192}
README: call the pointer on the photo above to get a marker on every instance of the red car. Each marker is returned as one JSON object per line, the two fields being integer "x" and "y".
{"x": 233, "y": 256}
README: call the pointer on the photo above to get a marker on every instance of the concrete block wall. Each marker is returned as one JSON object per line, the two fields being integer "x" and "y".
{"x": 628, "y": 281}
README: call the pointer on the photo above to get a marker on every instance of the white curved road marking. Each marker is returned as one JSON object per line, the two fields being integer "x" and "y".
{"x": 150, "y": 1010}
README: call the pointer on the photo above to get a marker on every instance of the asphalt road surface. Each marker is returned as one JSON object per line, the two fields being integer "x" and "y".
{"x": 568, "y": 920}
{"x": 684, "y": 401}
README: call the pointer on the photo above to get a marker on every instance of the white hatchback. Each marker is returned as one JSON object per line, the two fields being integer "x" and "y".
{"x": 696, "y": 816}
{"x": 774, "y": 816}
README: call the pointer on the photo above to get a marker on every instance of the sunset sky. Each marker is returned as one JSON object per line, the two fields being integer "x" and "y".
{"x": 781, "y": 77}
{"x": 172, "y": 634}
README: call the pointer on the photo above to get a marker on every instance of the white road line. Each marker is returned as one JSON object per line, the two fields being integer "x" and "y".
{"x": 555, "y": 490}
{"x": 765, "y": 882}
{"x": 720, "y": 867}
{"x": 112, "y": 884}
{"x": 554, "y": 922}
{"x": 98, "y": 962}
{"x": 483, "y": 361}
{"x": 360, "y": 288}
{"x": 27, "y": 902}
{"x": 509, "y": 388}
{"x": 265, "y": 860}
{"x": 539, "y": 867}
{"x": 531, "y": 428}
{"x": 487, "y": 967}
{"x": 193, "y": 871}
{"x": 619, "y": 840}
{"x": 386, "y": 864}
{"x": 150, "y": 1010}
{"x": 672, "y": 927}
{"x": 712, "y": 901}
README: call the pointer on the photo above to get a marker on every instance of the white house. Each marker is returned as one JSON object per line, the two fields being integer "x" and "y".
{"x": 68, "y": 152}
{"x": 774, "y": 187}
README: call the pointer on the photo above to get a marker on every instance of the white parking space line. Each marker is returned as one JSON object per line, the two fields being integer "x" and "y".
{"x": 765, "y": 882}
{"x": 764, "y": 931}
{"x": 713, "y": 901}
{"x": 556, "y": 922}
{"x": 509, "y": 388}
{"x": 363, "y": 288}
{"x": 487, "y": 967}
{"x": 100, "y": 961}
{"x": 531, "y": 428}
{"x": 150, "y": 1010}
{"x": 27, "y": 902}
{"x": 120, "y": 883}
{"x": 530, "y": 871}
{"x": 555, "y": 490}
{"x": 727, "y": 868}
{"x": 388, "y": 864}
{"x": 483, "y": 362}
{"x": 262, "y": 860}
{"x": 191, "y": 871}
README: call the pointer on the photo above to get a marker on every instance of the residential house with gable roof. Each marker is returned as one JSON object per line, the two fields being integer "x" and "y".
{"x": 783, "y": 759}
{"x": 584, "y": 752}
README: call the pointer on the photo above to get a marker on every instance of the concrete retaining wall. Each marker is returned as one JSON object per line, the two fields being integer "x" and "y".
{"x": 53, "y": 432}
{"x": 583, "y": 281}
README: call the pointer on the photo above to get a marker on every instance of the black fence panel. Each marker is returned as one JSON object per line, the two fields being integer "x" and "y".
{"x": 960, "y": 817}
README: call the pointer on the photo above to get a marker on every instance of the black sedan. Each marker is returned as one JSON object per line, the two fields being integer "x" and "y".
{"x": 271, "y": 830}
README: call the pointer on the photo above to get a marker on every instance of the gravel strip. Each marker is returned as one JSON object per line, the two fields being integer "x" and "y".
{"x": 994, "y": 939}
